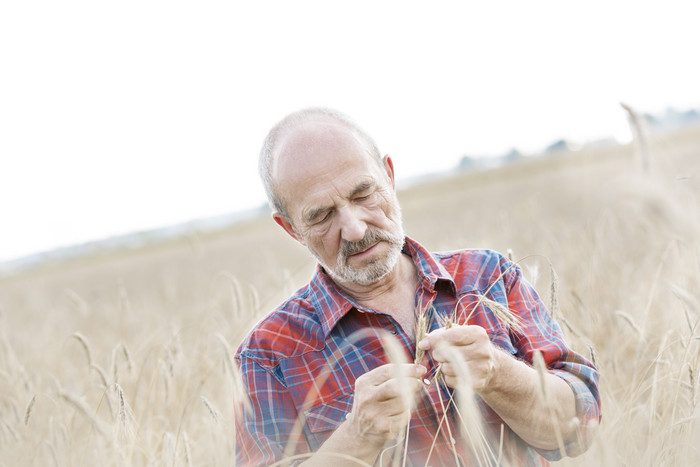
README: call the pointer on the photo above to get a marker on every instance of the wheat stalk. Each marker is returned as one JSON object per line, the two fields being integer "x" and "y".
{"x": 421, "y": 328}
{"x": 100, "y": 372}
{"x": 126, "y": 356}
{"x": 641, "y": 138}
{"x": 541, "y": 368}
{"x": 125, "y": 416}
{"x": 188, "y": 453}
{"x": 85, "y": 410}
{"x": 168, "y": 449}
{"x": 468, "y": 411}
{"x": 553, "y": 291}
{"x": 212, "y": 411}
{"x": 28, "y": 410}
{"x": 503, "y": 314}
{"x": 630, "y": 321}
{"x": 445, "y": 419}
{"x": 84, "y": 344}
{"x": 7, "y": 427}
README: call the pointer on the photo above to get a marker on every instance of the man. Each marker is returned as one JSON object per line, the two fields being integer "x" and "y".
{"x": 325, "y": 386}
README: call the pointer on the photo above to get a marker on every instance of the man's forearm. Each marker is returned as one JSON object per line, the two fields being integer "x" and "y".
{"x": 382, "y": 404}
{"x": 514, "y": 393}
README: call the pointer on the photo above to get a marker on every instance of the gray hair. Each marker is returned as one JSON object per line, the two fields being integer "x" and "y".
{"x": 287, "y": 125}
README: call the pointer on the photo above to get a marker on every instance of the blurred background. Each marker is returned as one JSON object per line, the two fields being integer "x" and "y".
{"x": 136, "y": 250}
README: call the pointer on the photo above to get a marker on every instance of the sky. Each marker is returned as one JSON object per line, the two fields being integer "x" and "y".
{"x": 124, "y": 116}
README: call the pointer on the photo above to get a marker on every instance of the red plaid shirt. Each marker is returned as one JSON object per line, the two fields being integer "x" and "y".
{"x": 300, "y": 363}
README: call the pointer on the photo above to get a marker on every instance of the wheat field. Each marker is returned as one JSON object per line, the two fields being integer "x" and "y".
{"x": 125, "y": 358}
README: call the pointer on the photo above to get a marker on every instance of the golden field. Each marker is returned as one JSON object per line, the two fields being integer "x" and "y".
{"x": 126, "y": 358}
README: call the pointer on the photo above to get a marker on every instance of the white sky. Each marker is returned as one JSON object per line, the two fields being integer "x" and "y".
{"x": 130, "y": 115}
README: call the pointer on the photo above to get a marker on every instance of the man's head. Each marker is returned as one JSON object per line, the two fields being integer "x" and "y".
{"x": 332, "y": 191}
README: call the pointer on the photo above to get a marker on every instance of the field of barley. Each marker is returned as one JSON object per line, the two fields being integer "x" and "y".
{"x": 126, "y": 358}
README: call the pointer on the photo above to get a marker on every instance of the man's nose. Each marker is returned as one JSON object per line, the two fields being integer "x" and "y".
{"x": 352, "y": 227}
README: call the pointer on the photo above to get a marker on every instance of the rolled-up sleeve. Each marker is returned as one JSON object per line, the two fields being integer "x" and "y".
{"x": 542, "y": 333}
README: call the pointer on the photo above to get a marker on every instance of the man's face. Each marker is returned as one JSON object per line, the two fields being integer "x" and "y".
{"x": 342, "y": 204}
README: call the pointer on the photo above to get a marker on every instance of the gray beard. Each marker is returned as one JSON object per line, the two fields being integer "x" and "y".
{"x": 375, "y": 270}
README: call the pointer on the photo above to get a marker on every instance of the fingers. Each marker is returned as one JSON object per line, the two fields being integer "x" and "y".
{"x": 472, "y": 343}
{"x": 383, "y": 400}
{"x": 391, "y": 381}
{"x": 462, "y": 348}
{"x": 392, "y": 425}
{"x": 386, "y": 372}
{"x": 456, "y": 336}
{"x": 478, "y": 374}
{"x": 393, "y": 388}
{"x": 474, "y": 351}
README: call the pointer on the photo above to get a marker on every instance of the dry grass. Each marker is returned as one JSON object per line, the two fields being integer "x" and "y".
{"x": 164, "y": 320}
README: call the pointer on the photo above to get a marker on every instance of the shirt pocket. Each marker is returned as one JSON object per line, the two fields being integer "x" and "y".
{"x": 322, "y": 420}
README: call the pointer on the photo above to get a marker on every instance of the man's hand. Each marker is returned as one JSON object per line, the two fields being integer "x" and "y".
{"x": 509, "y": 386}
{"x": 384, "y": 398}
{"x": 473, "y": 346}
{"x": 382, "y": 407}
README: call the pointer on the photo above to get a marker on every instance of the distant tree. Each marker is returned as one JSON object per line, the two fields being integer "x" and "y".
{"x": 652, "y": 120}
{"x": 557, "y": 146}
{"x": 689, "y": 116}
{"x": 512, "y": 155}
{"x": 672, "y": 118}
{"x": 467, "y": 163}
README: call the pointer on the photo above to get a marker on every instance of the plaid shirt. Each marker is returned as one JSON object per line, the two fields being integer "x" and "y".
{"x": 300, "y": 363}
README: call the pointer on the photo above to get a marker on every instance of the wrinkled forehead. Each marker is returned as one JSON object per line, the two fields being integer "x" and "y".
{"x": 315, "y": 144}
{"x": 316, "y": 163}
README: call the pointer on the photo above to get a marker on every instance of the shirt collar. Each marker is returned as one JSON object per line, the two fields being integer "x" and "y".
{"x": 332, "y": 303}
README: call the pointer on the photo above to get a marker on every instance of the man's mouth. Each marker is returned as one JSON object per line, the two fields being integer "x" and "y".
{"x": 367, "y": 250}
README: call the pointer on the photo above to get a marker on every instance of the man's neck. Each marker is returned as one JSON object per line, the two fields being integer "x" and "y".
{"x": 394, "y": 294}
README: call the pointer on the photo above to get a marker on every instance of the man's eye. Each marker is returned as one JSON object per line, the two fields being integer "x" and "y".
{"x": 362, "y": 198}
{"x": 323, "y": 218}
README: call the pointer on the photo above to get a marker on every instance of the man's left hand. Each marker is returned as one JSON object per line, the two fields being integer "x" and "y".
{"x": 474, "y": 348}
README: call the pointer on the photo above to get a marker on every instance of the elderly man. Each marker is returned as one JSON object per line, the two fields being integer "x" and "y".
{"x": 325, "y": 387}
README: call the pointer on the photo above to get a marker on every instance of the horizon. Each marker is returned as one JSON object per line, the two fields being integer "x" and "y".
{"x": 135, "y": 116}
{"x": 246, "y": 212}
{"x": 203, "y": 225}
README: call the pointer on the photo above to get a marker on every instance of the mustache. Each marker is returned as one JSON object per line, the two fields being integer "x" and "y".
{"x": 372, "y": 236}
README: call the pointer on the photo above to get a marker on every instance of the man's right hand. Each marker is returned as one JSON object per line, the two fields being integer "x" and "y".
{"x": 384, "y": 398}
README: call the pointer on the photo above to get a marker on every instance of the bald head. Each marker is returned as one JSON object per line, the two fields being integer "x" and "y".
{"x": 309, "y": 131}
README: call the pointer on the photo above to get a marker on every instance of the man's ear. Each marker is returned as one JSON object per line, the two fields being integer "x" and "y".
{"x": 389, "y": 167}
{"x": 283, "y": 222}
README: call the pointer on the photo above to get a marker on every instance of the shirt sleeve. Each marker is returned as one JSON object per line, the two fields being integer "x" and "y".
{"x": 541, "y": 332}
{"x": 262, "y": 433}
